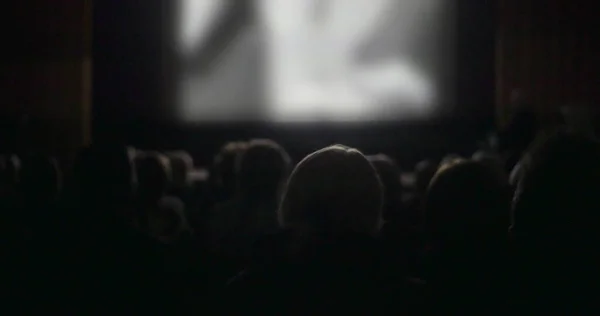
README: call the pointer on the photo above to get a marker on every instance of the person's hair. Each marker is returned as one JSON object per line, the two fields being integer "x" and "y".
{"x": 334, "y": 190}
{"x": 559, "y": 189}
{"x": 492, "y": 161}
{"x": 181, "y": 164}
{"x": 153, "y": 174}
{"x": 389, "y": 174}
{"x": 450, "y": 158}
{"x": 467, "y": 197}
{"x": 224, "y": 174}
{"x": 262, "y": 168}
{"x": 424, "y": 171}
{"x": 169, "y": 219}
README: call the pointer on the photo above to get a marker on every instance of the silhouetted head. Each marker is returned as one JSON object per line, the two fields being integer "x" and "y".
{"x": 450, "y": 158}
{"x": 466, "y": 198}
{"x": 424, "y": 171}
{"x": 492, "y": 161}
{"x": 557, "y": 199}
{"x": 104, "y": 175}
{"x": 41, "y": 179}
{"x": 262, "y": 168}
{"x": 334, "y": 190}
{"x": 168, "y": 222}
{"x": 389, "y": 173}
{"x": 182, "y": 164}
{"x": 153, "y": 175}
{"x": 224, "y": 174}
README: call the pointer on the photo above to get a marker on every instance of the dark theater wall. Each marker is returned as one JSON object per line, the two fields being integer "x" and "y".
{"x": 46, "y": 75}
{"x": 548, "y": 50}
{"x": 129, "y": 46}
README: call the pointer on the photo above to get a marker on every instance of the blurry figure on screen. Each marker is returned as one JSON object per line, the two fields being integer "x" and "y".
{"x": 335, "y": 60}
{"x": 316, "y": 72}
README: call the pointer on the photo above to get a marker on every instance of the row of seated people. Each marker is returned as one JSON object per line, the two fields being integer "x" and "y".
{"x": 334, "y": 232}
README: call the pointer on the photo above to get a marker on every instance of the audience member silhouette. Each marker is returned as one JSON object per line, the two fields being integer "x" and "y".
{"x": 117, "y": 265}
{"x": 223, "y": 176}
{"x": 153, "y": 176}
{"x": 467, "y": 210}
{"x": 170, "y": 224}
{"x": 401, "y": 228}
{"x": 389, "y": 173}
{"x": 261, "y": 171}
{"x": 450, "y": 158}
{"x": 156, "y": 212}
{"x": 328, "y": 257}
{"x": 491, "y": 160}
{"x": 182, "y": 164}
{"x": 553, "y": 224}
{"x": 334, "y": 233}
{"x": 424, "y": 172}
{"x": 520, "y": 131}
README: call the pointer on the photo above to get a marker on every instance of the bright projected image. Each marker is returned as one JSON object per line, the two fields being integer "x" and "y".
{"x": 314, "y": 60}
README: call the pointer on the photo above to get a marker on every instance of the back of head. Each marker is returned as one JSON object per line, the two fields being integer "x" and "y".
{"x": 104, "y": 175}
{"x": 559, "y": 190}
{"x": 492, "y": 161}
{"x": 334, "y": 190}
{"x": 168, "y": 222}
{"x": 262, "y": 168}
{"x": 450, "y": 158}
{"x": 153, "y": 174}
{"x": 389, "y": 173}
{"x": 41, "y": 179}
{"x": 181, "y": 164}
{"x": 224, "y": 174}
{"x": 465, "y": 198}
{"x": 424, "y": 171}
